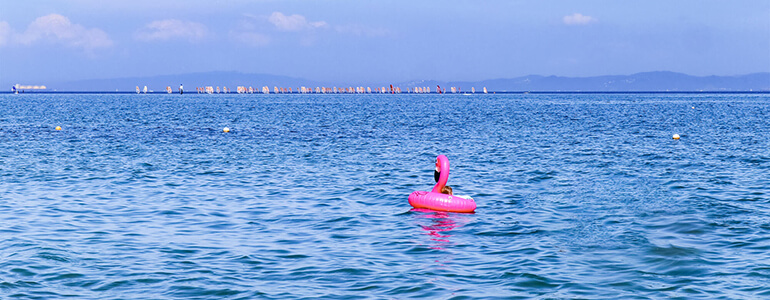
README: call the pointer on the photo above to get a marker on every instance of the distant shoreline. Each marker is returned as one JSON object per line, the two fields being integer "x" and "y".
{"x": 657, "y": 81}
{"x": 433, "y": 93}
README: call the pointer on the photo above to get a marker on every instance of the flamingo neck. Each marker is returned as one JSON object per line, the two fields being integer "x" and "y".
{"x": 442, "y": 162}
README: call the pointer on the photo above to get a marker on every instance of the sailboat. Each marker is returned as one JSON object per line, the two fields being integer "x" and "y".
{"x": 137, "y": 89}
{"x": 168, "y": 89}
{"x": 473, "y": 90}
{"x": 145, "y": 89}
{"x": 485, "y": 90}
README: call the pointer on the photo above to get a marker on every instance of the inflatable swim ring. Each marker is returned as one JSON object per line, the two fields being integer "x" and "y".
{"x": 435, "y": 200}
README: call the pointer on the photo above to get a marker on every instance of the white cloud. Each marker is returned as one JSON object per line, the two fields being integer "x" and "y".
{"x": 252, "y": 30}
{"x": 294, "y": 22}
{"x": 58, "y": 28}
{"x": 5, "y": 33}
{"x": 164, "y": 30}
{"x": 578, "y": 19}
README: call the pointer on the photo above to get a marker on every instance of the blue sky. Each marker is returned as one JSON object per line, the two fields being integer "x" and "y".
{"x": 380, "y": 41}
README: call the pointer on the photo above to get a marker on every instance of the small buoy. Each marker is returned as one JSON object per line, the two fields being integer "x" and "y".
{"x": 58, "y": 128}
{"x": 226, "y": 129}
{"x": 676, "y": 136}
{"x": 693, "y": 107}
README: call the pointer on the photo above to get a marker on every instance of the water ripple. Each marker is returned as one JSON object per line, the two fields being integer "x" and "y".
{"x": 580, "y": 196}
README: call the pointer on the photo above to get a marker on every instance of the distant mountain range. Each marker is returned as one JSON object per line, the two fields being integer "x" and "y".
{"x": 642, "y": 82}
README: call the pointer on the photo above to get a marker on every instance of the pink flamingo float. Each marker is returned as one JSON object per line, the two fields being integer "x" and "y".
{"x": 435, "y": 200}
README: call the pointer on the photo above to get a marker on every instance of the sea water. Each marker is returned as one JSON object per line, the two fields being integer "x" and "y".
{"x": 579, "y": 196}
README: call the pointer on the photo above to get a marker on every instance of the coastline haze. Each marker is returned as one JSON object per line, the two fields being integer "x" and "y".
{"x": 640, "y": 82}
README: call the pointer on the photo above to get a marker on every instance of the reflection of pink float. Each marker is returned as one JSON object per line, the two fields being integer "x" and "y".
{"x": 439, "y": 228}
{"x": 435, "y": 200}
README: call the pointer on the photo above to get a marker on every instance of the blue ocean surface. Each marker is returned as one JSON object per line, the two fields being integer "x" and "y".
{"x": 579, "y": 196}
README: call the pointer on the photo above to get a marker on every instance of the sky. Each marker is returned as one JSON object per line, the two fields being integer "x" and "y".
{"x": 380, "y": 41}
